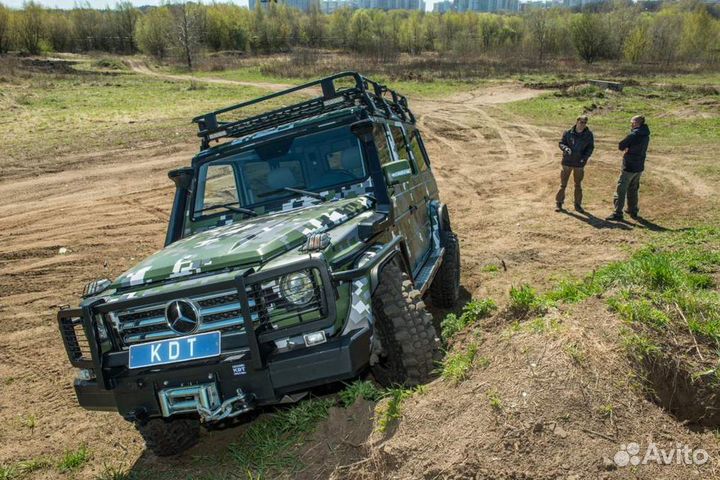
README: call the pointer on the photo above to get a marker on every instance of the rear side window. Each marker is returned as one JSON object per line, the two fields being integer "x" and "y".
{"x": 417, "y": 151}
{"x": 399, "y": 139}
{"x": 381, "y": 143}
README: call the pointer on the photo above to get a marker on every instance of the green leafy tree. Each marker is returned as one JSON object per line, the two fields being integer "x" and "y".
{"x": 589, "y": 37}
{"x": 31, "y": 27}
{"x": 153, "y": 31}
{"x": 637, "y": 44}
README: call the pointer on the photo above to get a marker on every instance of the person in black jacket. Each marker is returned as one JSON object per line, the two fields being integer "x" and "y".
{"x": 577, "y": 145}
{"x": 635, "y": 146}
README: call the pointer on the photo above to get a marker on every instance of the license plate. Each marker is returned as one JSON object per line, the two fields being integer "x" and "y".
{"x": 181, "y": 349}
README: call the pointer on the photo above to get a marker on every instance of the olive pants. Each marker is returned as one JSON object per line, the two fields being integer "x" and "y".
{"x": 628, "y": 187}
{"x": 578, "y": 174}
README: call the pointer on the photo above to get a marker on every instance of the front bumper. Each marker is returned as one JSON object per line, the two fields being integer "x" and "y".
{"x": 136, "y": 396}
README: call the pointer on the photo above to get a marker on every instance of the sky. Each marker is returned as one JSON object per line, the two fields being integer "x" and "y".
{"x": 104, "y": 3}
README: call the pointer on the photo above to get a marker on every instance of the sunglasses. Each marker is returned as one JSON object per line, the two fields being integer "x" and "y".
{"x": 582, "y": 121}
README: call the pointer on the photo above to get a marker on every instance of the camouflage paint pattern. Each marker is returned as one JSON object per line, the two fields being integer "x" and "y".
{"x": 249, "y": 242}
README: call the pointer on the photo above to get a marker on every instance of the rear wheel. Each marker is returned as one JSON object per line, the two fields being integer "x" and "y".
{"x": 405, "y": 338}
{"x": 169, "y": 437}
{"x": 445, "y": 288}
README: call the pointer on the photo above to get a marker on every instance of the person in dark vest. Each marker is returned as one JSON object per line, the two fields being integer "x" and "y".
{"x": 635, "y": 146}
{"x": 577, "y": 145}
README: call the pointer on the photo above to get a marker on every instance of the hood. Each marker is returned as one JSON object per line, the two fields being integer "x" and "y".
{"x": 250, "y": 242}
{"x": 642, "y": 130}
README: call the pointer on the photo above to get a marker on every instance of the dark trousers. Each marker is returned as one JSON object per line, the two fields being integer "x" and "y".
{"x": 628, "y": 187}
{"x": 578, "y": 174}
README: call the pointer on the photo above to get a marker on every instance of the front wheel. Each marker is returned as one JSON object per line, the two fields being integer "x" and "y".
{"x": 404, "y": 341}
{"x": 169, "y": 437}
{"x": 445, "y": 288}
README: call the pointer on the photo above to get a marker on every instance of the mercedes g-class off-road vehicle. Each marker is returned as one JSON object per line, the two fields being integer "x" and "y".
{"x": 298, "y": 251}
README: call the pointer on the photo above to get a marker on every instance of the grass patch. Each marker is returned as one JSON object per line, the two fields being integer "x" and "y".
{"x": 490, "y": 268}
{"x": 110, "y": 472}
{"x": 496, "y": 402}
{"x": 666, "y": 108}
{"x": 266, "y": 446}
{"x": 457, "y": 365}
{"x": 88, "y": 110}
{"x": 576, "y": 353}
{"x": 364, "y": 389}
{"x": 390, "y": 411}
{"x": 73, "y": 460}
{"x": 473, "y": 311}
{"x": 524, "y": 300}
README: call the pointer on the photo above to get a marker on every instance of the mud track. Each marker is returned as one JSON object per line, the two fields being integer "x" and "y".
{"x": 497, "y": 173}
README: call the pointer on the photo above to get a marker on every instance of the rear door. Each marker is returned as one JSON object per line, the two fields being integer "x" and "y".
{"x": 408, "y": 200}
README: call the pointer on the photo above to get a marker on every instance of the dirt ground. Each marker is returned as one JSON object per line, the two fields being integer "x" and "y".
{"x": 498, "y": 175}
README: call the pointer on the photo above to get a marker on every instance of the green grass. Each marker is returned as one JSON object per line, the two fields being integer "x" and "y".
{"x": 677, "y": 118}
{"x": 389, "y": 412}
{"x": 457, "y": 365}
{"x": 46, "y": 116}
{"x": 524, "y": 300}
{"x": 364, "y": 389}
{"x": 408, "y": 88}
{"x": 73, "y": 460}
{"x": 473, "y": 311}
{"x": 110, "y": 472}
{"x": 496, "y": 402}
{"x": 490, "y": 268}
{"x": 267, "y": 444}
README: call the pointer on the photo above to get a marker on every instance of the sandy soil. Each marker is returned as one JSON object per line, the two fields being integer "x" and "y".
{"x": 498, "y": 174}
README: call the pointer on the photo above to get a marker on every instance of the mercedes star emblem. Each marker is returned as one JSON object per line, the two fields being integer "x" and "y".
{"x": 183, "y": 316}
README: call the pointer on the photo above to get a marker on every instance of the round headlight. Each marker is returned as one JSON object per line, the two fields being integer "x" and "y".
{"x": 297, "y": 288}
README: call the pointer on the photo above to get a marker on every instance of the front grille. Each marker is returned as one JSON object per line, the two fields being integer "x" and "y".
{"x": 77, "y": 344}
{"x": 222, "y": 311}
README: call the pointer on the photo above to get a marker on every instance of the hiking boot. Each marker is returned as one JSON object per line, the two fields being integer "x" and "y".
{"x": 558, "y": 207}
{"x": 579, "y": 208}
{"x": 615, "y": 216}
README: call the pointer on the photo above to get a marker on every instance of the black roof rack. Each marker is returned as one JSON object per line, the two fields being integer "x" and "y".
{"x": 377, "y": 98}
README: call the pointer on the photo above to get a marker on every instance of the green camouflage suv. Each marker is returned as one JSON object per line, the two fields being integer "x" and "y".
{"x": 298, "y": 252}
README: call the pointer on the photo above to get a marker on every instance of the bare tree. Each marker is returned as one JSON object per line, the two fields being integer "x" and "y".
{"x": 538, "y": 22}
{"x": 188, "y": 27}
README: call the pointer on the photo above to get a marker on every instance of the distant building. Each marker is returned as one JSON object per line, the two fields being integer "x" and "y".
{"x": 303, "y": 5}
{"x": 443, "y": 6}
{"x": 486, "y": 5}
{"x": 391, "y": 4}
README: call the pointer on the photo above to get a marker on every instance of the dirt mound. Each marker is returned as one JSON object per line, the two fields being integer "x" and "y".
{"x": 555, "y": 397}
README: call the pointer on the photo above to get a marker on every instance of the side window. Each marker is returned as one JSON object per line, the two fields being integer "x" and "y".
{"x": 381, "y": 143}
{"x": 417, "y": 151}
{"x": 399, "y": 139}
{"x": 220, "y": 186}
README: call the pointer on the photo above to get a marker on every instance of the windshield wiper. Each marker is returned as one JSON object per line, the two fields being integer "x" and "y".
{"x": 294, "y": 190}
{"x": 230, "y": 206}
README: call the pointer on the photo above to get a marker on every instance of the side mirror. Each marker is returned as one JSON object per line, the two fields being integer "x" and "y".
{"x": 397, "y": 172}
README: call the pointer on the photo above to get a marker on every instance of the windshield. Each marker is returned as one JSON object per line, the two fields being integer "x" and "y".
{"x": 261, "y": 175}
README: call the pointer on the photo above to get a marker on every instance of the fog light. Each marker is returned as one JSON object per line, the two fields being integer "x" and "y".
{"x": 315, "y": 338}
{"x": 86, "y": 374}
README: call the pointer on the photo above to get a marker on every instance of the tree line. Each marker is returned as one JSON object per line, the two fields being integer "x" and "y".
{"x": 686, "y": 31}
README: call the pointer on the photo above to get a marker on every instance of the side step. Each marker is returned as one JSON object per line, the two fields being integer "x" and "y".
{"x": 428, "y": 270}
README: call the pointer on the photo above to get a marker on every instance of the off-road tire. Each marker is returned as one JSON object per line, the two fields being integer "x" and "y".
{"x": 169, "y": 437}
{"x": 445, "y": 288}
{"x": 404, "y": 329}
